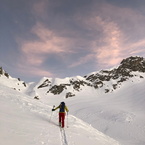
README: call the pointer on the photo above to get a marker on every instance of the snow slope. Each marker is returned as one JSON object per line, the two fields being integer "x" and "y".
{"x": 119, "y": 114}
{"x": 93, "y": 116}
{"x": 26, "y": 121}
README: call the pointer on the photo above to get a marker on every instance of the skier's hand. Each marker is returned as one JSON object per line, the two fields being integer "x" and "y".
{"x": 53, "y": 109}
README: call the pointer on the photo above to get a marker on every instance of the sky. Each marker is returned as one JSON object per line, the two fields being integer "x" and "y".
{"x": 65, "y": 38}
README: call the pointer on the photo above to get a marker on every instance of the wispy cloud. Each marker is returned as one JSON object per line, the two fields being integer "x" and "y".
{"x": 48, "y": 42}
{"x": 35, "y": 52}
{"x": 110, "y": 53}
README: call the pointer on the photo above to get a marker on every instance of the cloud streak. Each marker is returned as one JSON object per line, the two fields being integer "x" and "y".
{"x": 109, "y": 53}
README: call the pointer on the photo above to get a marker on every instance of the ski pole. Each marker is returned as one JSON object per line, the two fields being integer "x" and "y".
{"x": 67, "y": 120}
{"x": 51, "y": 113}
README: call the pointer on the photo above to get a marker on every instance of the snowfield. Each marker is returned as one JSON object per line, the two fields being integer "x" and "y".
{"x": 95, "y": 117}
{"x": 26, "y": 121}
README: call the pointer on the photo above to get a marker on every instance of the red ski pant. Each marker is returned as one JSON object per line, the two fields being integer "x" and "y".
{"x": 61, "y": 119}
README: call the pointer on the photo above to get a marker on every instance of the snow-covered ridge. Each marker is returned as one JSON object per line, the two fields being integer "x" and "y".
{"x": 7, "y": 80}
{"x": 105, "y": 80}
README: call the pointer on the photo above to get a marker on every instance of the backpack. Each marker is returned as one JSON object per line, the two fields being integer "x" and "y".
{"x": 62, "y": 107}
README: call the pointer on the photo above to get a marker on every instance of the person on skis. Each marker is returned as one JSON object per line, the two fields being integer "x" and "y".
{"x": 62, "y": 108}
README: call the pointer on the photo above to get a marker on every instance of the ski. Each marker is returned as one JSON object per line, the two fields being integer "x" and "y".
{"x": 63, "y": 136}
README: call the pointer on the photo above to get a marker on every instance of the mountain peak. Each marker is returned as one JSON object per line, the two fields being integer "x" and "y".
{"x": 134, "y": 63}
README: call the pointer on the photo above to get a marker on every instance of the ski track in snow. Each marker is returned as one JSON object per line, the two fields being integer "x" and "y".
{"x": 63, "y": 137}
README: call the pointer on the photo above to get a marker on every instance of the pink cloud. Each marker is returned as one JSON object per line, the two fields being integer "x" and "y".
{"x": 109, "y": 53}
{"x": 107, "y": 47}
{"x": 115, "y": 45}
{"x": 35, "y": 52}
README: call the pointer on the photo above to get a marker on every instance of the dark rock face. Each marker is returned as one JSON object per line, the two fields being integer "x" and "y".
{"x": 69, "y": 94}
{"x": 45, "y": 84}
{"x": 24, "y": 84}
{"x": 36, "y": 97}
{"x": 57, "y": 89}
{"x": 2, "y": 72}
{"x": 134, "y": 64}
{"x": 78, "y": 83}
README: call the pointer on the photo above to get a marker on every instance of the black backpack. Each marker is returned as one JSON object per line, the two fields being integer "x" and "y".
{"x": 62, "y": 107}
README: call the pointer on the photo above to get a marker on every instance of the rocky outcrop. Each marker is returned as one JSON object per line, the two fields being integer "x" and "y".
{"x": 76, "y": 84}
{"x": 133, "y": 64}
{"x": 57, "y": 89}
{"x": 69, "y": 94}
{"x": 46, "y": 83}
{"x": 2, "y": 72}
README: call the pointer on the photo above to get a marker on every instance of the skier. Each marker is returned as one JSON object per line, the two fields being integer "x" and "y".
{"x": 62, "y": 108}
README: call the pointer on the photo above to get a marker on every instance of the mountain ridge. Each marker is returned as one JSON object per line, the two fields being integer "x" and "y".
{"x": 130, "y": 67}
